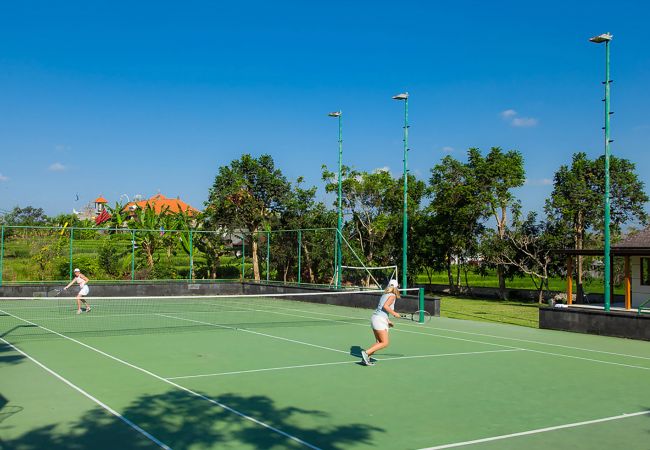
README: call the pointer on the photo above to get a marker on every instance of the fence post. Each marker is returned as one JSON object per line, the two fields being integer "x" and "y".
{"x": 421, "y": 304}
{"x": 243, "y": 256}
{"x": 268, "y": 255}
{"x": 299, "y": 254}
{"x": 191, "y": 258}
{"x": 132, "y": 255}
{"x": 71, "y": 241}
{"x": 2, "y": 251}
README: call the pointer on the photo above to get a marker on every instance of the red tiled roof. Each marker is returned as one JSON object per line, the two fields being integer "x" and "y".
{"x": 101, "y": 199}
{"x": 159, "y": 202}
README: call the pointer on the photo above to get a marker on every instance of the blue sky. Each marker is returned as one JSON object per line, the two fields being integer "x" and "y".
{"x": 144, "y": 97}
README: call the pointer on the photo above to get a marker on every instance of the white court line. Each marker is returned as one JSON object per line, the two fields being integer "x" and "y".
{"x": 588, "y": 359}
{"x": 176, "y": 385}
{"x": 482, "y": 342}
{"x": 537, "y": 431}
{"x": 253, "y": 332}
{"x": 239, "y": 372}
{"x": 87, "y": 395}
{"x": 530, "y": 341}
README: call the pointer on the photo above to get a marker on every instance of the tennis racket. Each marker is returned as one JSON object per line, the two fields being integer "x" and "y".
{"x": 54, "y": 292}
{"x": 420, "y": 316}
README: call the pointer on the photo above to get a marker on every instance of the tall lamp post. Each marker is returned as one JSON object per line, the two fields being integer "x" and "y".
{"x": 405, "y": 97}
{"x": 606, "y": 38}
{"x": 339, "y": 223}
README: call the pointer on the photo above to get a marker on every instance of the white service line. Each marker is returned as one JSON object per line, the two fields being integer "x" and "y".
{"x": 530, "y": 341}
{"x": 537, "y": 431}
{"x": 239, "y": 372}
{"x": 252, "y": 332}
{"x": 588, "y": 359}
{"x": 176, "y": 385}
{"x": 87, "y": 395}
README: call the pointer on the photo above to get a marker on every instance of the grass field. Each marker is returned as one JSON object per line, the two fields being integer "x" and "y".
{"x": 555, "y": 283}
{"x": 498, "y": 311}
{"x": 277, "y": 374}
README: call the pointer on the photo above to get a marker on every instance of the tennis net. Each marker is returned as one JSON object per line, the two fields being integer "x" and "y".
{"x": 44, "y": 317}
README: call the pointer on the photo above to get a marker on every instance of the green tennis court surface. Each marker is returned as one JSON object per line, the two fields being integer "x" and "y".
{"x": 274, "y": 373}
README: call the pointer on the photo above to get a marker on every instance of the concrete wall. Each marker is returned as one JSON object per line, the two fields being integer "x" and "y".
{"x": 135, "y": 289}
{"x": 408, "y": 303}
{"x": 619, "y": 324}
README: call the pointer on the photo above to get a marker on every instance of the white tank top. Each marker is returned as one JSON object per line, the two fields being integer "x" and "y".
{"x": 80, "y": 281}
{"x": 382, "y": 301}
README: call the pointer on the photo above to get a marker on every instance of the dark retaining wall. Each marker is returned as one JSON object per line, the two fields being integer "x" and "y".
{"x": 407, "y": 303}
{"x": 614, "y": 323}
{"x": 135, "y": 289}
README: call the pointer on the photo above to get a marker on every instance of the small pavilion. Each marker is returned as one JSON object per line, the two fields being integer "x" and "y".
{"x": 635, "y": 249}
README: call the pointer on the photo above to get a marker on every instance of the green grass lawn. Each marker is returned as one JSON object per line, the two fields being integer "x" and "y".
{"x": 515, "y": 313}
{"x": 476, "y": 280}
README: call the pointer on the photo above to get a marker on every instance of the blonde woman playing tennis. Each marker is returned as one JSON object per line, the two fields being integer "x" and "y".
{"x": 82, "y": 281}
{"x": 380, "y": 322}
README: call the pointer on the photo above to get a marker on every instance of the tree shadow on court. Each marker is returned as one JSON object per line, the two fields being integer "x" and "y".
{"x": 181, "y": 420}
{"x": 8, "y": 355}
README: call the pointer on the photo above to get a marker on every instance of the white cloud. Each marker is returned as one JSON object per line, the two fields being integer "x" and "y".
{"x": 539, "y": 182}
{"x": 3, "y": 178}
{"x": 508, "y": 113}
{"x": 382, "y": 169}
{"x": 512, "y": 117}
{"x": 447, "y": 149}
{"x": 56, "y": 167}
{"x": 524, "y": 122}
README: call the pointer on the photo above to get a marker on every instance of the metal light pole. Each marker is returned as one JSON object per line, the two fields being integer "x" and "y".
{"x": 339, "y": 223}
{"x": 606, "y": 38}
{"x": 405, "y": 98}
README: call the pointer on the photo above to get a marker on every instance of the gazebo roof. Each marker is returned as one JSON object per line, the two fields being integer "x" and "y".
{"x": 635, "y": 244}
{"x": 637, "y": 240}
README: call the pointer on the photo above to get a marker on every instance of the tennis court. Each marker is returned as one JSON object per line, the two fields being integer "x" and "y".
{"x": 276, "y": 373}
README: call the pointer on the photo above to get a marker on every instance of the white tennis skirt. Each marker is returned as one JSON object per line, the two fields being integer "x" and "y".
{"x": 84, "y": 290}
{"x": 379, "y": 322}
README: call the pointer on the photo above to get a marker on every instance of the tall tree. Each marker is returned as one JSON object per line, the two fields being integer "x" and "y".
{"x": 528, "y": 247}
{"x": 303, "y": 212}
{"x": 497, "y": 174}
{"x": 455, "y": 213}
{"x": 248, "y": 194}
{"x": 576, "y": 202}
{"x": 373, "y": 202}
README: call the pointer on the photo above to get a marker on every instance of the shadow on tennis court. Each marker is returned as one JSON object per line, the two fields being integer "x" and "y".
{"x": 7, "y": 354}
{"x": 182, "y": 421}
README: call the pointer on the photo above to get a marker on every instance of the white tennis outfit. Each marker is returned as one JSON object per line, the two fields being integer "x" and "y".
{"x": 82, "y": 285}
{"x": 379, "y": 318}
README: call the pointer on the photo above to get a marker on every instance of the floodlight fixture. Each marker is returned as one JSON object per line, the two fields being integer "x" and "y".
{"x": 403, "y": 96}
{"x": 605, "y": 37}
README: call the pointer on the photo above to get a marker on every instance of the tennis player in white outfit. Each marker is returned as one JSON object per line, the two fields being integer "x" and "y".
{"x": 380, "y": 322}
{"x": 82, "y": 281}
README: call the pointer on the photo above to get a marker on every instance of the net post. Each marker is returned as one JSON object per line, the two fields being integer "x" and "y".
{"x": 2, "y": 250}
{"x": 421, "y": 304}
{"x": 191, "y": 259}
{"x": 299, "y": 255}
{"x": 71, "y": 241}
{"x": 132, "y": 255}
